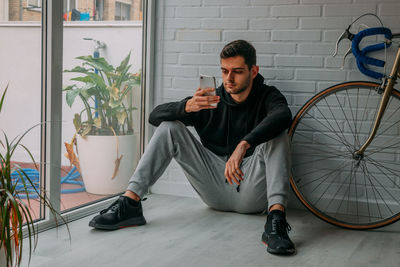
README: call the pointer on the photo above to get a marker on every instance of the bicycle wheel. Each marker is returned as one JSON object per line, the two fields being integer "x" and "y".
{"x": 357, "y": 192}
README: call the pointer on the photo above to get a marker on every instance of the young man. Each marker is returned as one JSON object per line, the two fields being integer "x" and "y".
{"x": 243, "y": 160}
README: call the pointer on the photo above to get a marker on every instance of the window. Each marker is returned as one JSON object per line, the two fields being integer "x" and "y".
{"x": 34, "y": 3}
{"x": 70, "y": 4}
{"x": 25, "y": 97}
{"x": 122, "y": 11}
{"x": 99, "y": 12}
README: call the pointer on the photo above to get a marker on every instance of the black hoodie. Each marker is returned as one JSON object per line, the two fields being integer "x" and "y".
{"x": 260, "y": 118}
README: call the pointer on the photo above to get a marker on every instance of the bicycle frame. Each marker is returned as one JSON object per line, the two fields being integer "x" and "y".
{"x": 394, "y": 74}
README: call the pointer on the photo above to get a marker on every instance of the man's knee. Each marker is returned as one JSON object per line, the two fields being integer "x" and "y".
{"x": 282, "y": 139}
{"x": 171, "y": 127}
{"x": 170, "y": 124}
{"x": 279, "y": 143}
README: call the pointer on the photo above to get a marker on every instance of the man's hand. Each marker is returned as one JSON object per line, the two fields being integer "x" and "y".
{"x": 200, "y": 101}
{"x": 232, "y": 166}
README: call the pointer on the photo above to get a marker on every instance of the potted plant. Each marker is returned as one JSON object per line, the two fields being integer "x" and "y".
{"x": 15, "y": 202}
{"x": 105, "y": 139}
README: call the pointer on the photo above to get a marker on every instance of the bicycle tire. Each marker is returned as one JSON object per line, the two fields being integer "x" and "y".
{"x": 330, "y": 181}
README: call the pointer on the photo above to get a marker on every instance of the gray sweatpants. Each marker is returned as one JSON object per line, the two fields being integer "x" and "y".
{"x": 266, "y": 172}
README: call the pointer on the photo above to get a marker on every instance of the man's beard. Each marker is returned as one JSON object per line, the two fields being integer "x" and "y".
{"x": 242, "y": 88}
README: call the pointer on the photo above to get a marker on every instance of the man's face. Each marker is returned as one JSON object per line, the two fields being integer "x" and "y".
{"x": 236, "y": 75}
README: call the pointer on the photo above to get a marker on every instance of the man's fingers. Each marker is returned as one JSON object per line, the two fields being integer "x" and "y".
{"x": 200, "y": 107}
{"x": 226, "y": 174}
{"x": 233, "y": 178}
{"x": 201, "y": 92}
{"x": 208, "y": 90}
{"x": 238, "y": 171}
{"x": 239, "y": 176}
{"x": 236, "y": 180}
{"x": 208, "y": 107}
{"x": 198, "y": 91}
{"x": 231, "y": 174}
{"x": 208, "y": 99}
{"x": 200, "y": 103}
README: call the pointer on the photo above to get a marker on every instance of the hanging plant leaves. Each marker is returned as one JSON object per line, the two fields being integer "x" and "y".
{"x": 77, "y": 122}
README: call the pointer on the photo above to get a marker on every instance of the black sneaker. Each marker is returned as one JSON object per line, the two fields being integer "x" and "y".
{"x": 276, "y": 236}
{"x": 124, "y": 212}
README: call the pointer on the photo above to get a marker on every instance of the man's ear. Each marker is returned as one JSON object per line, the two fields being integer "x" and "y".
{"x": 254, "y": 71}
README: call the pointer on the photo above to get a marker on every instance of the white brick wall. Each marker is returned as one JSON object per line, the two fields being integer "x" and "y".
{"x": 198, "y": 35}
{"x": 224, "y": 23}
{"x": 197, "y": 12}
{"x": 294, "y": 40}
{"x": 295, "y": 11}
{"x": 243, "y": 12}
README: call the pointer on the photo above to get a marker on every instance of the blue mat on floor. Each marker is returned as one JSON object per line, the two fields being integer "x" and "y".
{"x": 34, "y": 176}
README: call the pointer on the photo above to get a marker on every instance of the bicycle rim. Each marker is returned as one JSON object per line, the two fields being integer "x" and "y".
{"x": 334, "y": 184}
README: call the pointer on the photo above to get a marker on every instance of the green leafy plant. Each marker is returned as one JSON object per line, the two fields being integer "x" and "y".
{"x": 15, "y": 212}
{"x": 106, "y": 93}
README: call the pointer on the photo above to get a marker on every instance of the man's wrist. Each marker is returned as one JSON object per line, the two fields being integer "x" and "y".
{"x": 245, "y": 144}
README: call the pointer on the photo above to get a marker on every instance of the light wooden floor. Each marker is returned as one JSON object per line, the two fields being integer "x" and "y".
{"x": 184, "y": 232}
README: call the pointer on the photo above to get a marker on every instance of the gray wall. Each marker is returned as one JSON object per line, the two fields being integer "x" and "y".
{"x": 294, "y": 40}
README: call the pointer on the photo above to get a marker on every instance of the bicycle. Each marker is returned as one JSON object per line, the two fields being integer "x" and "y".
{"x": 346, "y": 144}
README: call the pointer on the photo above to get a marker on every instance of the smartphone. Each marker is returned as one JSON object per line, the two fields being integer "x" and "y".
{"x": 208, "y": 82}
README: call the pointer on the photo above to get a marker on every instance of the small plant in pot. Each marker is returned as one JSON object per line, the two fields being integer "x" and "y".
{"x": 104, "y": 137}
{"x": 15, "y": 202}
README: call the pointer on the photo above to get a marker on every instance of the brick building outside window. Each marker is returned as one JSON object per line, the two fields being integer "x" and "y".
{"x": 30, "y": 10}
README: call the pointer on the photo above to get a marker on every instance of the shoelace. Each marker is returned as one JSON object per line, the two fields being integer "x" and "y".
{"x": 113, "y": 207}
{"x": 280, "y": 226}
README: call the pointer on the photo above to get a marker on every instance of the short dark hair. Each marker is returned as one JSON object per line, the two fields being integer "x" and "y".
{"x": 240, "y": 48}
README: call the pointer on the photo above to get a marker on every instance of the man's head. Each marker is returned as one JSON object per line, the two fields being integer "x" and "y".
{"x": 238, "y": 65}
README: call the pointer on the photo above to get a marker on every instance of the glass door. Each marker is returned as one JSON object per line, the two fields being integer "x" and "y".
{"x": 101, "y": 109}
{"x": 96, "y": 93}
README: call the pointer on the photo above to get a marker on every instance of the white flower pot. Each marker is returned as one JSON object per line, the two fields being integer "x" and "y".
{"x": 97, "y": 156}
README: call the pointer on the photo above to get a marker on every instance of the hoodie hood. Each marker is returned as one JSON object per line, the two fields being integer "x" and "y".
{"x": 227, "y": 98}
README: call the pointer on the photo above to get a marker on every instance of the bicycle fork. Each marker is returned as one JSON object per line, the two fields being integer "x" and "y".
{"x": 359, "y": 154}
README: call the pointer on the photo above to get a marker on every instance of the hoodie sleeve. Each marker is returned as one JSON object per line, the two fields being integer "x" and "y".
{"x": 171, "y": 111}
{"x": 278, "y": 118}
